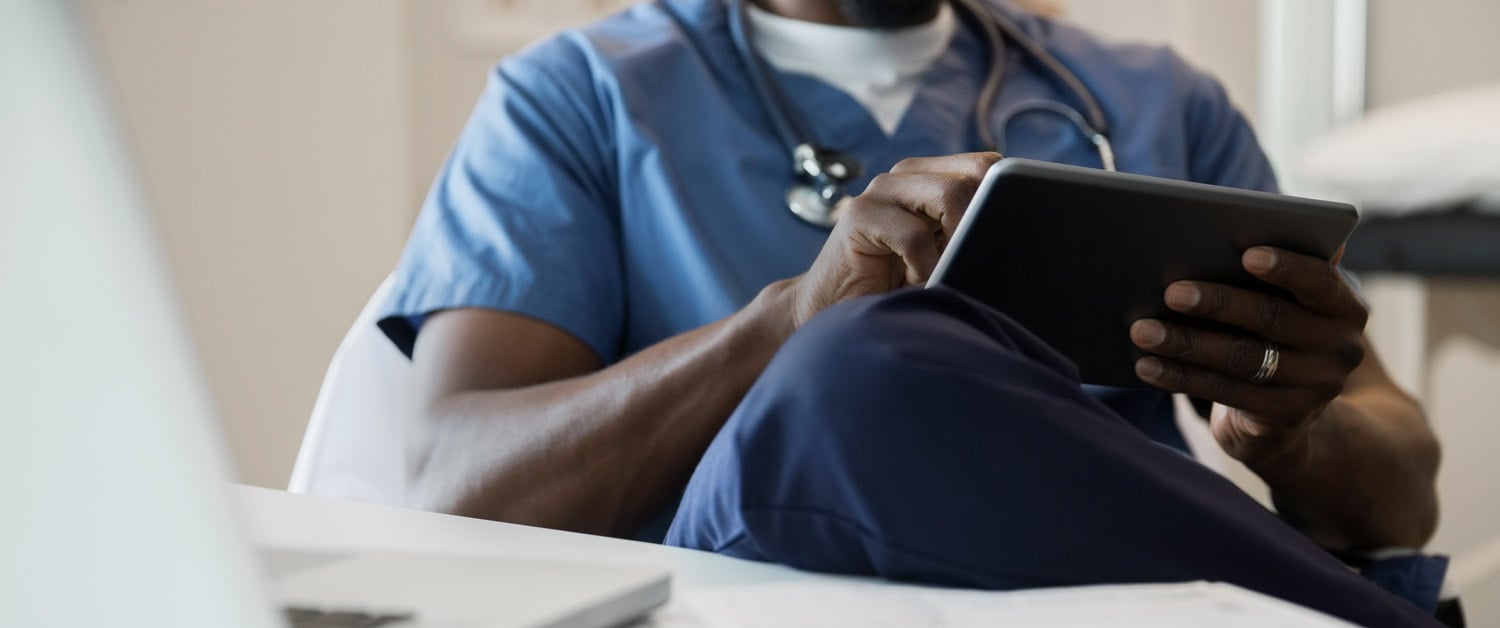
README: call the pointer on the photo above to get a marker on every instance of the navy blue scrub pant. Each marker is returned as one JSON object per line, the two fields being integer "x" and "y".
{"x": 921, "y": 436}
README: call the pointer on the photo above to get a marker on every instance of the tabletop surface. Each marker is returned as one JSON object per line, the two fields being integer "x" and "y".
{"x": 714, "y": 590}
{"x": 283, "y": 519}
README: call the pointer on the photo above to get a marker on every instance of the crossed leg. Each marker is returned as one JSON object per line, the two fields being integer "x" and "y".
{"x": 921, "y": 436}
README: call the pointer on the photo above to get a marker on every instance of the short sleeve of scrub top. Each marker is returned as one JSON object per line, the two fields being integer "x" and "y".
{"x": 1224, "y": 150}
{"x": 518, "y": 220}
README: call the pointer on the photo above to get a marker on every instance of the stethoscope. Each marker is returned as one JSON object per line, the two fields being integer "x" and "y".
{"x": 823, "y": 174}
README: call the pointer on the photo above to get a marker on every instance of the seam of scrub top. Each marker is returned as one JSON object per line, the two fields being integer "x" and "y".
{"x": 880, "y": 68}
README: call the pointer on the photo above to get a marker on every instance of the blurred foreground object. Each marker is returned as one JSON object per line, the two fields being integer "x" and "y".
{"x": 101, "y": 401}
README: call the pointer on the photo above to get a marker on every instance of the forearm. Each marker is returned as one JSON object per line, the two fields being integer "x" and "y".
{"x": 1363, "y": 474}
{"x": 518, "y": 427}
{"x": 602, "y": 452}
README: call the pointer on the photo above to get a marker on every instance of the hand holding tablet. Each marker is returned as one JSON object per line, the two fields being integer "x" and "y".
{"x": 1100, "y": 265}
{"x": 1289, "y": 360}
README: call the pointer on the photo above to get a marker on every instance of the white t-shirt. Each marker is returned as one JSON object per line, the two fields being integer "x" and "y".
{"x": 879, "y": 68}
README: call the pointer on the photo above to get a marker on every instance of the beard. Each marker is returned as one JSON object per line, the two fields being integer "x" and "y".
{"x": 889, "y": 13}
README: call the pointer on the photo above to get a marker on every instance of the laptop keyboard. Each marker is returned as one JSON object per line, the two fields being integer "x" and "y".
{"x": 317, "y": 618}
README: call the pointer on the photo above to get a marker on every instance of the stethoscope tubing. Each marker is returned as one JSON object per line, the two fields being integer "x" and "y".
{"x": 798, "y": 139}
{"x": 773, "y": 100}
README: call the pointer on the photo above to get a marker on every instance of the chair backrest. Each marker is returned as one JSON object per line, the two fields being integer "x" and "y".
{"x": 354, "y": 447}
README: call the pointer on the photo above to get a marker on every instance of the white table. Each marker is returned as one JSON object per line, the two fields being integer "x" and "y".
{"x": 285, "y": 519}
{"x": 292, "y": 520}
{"x": 297, "y": 521}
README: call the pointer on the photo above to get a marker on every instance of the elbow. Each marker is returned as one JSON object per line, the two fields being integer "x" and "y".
{"x": 1416, "y": 515}
{"x": 1427, "y": 458}
{"x": 1413, "y": 489}
{"x": 450, "y": 471}
{"x": 425, "y": 485}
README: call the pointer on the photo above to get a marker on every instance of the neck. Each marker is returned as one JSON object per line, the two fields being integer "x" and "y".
{"x": 860, "y": 13}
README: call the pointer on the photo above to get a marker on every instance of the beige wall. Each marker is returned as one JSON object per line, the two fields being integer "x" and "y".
{"x": 286, "y": 146}
{"x": 1217, "y": 36}
{"x": 447, "y": 78}
{"x": 273, "y": 139}
{"x": 1419, "y": 48}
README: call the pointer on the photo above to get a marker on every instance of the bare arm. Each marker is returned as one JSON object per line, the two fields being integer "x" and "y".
{"x": 1363, "y": 475}
{"x": 521, "y": 424}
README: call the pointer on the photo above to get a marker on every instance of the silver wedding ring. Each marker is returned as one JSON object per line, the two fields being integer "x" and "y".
{"x": 1268, "y": 365}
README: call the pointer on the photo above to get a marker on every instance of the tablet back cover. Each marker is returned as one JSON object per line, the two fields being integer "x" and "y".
{"x": 1076, "y": 255}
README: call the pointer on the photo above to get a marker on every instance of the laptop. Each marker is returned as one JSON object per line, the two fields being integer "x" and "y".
{"x": 117, "y": 509}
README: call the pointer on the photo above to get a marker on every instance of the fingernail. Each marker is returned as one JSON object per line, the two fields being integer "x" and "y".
{"x": 1150, "y": 333}
{"x": 1148, "y": 368}
{"x": 1183, "y": 296}
{"x": 1260, "y": 259}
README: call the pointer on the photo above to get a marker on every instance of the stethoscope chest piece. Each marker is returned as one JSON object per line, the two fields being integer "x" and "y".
{"x": 822, "y": 178}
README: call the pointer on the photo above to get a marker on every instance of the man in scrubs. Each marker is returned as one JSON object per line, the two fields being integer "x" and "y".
{"x": 606, "y": 267}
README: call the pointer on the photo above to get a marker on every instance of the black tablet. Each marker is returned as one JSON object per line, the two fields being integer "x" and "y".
{"x": 1076, "y": 254}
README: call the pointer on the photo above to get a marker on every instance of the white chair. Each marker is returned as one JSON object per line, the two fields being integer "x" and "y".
{"x": 354, "y": 447}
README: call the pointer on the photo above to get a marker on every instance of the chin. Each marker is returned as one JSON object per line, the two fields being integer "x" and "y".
{"x": 889, "y": 13}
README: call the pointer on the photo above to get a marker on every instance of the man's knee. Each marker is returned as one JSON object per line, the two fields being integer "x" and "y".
{"x": 884, "y": 345}
{"x": 880, "y": 374}
{"x": 848, "y": 344}
{"x": 867, "y": 333}
{"x": 851, "y": 352}
{"x": 876, "y": 398}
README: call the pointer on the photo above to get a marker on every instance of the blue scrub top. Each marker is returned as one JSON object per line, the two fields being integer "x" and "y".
{"x": 623, "y": 182}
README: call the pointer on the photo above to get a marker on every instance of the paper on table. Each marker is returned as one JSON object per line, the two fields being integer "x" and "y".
{"x": 835, "y": 604}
